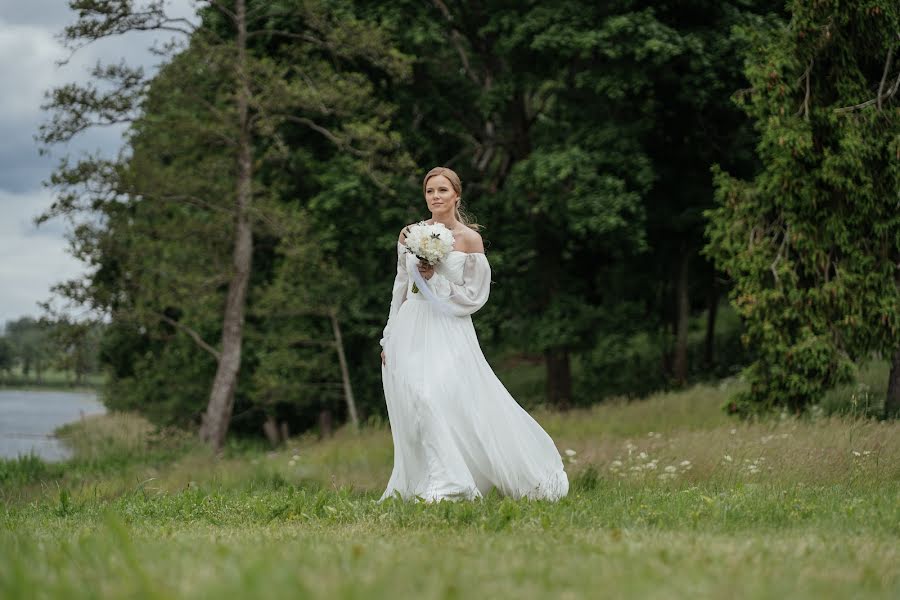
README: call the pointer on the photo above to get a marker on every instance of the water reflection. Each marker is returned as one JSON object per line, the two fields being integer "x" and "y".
{"x": 28, "y": 418}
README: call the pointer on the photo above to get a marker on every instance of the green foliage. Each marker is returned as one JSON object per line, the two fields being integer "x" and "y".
{"x": 812, "y": 243}
{"x": 50, "y": 352}
{"x": 156, "y": 224}
{"x": 31, "y": 345}
{"x": 7, "y": 355}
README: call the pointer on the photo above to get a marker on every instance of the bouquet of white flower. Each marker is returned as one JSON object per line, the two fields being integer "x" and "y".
{"x": 429, "y": 243}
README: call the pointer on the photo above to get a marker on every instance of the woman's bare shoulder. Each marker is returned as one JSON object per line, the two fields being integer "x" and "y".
{"x": 469, "y": 241}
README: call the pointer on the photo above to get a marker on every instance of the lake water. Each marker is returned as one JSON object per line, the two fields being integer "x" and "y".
{"x": 28, "y": 418}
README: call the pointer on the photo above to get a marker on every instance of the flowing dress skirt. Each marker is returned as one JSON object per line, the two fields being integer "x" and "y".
{"x": 457, "y": 431}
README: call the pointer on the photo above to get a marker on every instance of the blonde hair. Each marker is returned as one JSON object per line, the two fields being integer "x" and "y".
{"x": 453, "y": 178}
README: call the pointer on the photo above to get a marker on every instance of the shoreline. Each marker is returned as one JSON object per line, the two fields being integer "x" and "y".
{"x": 48, "y": 387}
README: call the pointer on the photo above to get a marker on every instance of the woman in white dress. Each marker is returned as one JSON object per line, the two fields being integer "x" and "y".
{"x": 457, "y": 431}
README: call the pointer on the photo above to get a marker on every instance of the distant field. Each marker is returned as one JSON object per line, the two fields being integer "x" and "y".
{"x": 50, "y": 379}
{"x": 670, "y": 499}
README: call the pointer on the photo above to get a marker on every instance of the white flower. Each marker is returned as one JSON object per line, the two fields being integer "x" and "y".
{"x": 855, "y": 453}
{"x": 685, "y": 463}
{"x": 295, "y": 457}
{"x": 616, "y": 463}
{"x": 642, "y": 455}
{"x": 733, "y": 431}
{"x": 727, "y": 458}
{"x": 670, "y": 469}
{"x": 570, "y": 452}
{"x": 430, "y": 243}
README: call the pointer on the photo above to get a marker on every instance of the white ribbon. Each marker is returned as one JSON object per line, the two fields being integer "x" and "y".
{"x": 441, "y": 305}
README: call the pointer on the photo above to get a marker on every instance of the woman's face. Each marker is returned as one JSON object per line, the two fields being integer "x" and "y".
{"x": 440, "y": 196}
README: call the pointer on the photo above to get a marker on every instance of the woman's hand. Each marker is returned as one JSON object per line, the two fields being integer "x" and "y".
{"x": 383, "y": 362}
{"x": 426, "y": 270}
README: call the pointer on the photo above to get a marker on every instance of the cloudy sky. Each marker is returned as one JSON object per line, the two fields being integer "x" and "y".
{"x": 33, "y": 258}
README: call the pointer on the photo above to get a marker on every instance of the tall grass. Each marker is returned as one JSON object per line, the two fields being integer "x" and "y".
{"x": 669, "y": 498}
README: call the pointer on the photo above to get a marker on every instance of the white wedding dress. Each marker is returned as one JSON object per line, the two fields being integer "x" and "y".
{"x": 457, "y": 431}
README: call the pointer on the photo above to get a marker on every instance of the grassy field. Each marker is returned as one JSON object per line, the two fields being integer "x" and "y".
{"x": 670, "y": 499}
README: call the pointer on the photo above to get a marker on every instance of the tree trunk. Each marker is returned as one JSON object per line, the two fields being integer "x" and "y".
{"x": 559, "y": 378}
{"x": 345, "y": 373}
{"x": 709, "y": 346}
{"x": 892, "y": 402}
{"x": 221, "y": 398}
{"x": 325, "y": 421}
{"x": 680, "y": 360}
{"x": 270, "y": 428}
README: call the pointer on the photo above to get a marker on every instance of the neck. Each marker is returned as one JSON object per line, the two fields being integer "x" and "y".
{"x": 449, "y": 220}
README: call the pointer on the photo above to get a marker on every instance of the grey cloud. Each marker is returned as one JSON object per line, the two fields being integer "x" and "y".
{"x": 33, "y": 259}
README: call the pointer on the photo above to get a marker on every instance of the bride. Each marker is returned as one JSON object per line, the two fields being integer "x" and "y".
{"x": 457, "y": 432}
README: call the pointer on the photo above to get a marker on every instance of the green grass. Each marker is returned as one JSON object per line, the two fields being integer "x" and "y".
{"x": 669, "y": 499}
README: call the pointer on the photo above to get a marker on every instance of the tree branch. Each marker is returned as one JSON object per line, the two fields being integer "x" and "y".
{"x": 222, "y": 9}
{"x": 887, "y": 68}
{"x": 194, "y": 335}
{"x": 456, "y": 39}
{"x": 804, "y": 109}
{"x": 882, "y": 95}
{"x": 340, "y": 143}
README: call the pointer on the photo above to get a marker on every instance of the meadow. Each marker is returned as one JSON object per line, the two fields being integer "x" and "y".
{"x": 670, "y": 498}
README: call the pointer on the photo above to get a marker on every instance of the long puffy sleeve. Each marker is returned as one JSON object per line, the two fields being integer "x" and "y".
{"x": 469, "y": 283}
{"x": 398, "y": 295}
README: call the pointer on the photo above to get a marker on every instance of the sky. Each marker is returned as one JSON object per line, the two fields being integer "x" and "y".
{"x": 33, "y": 259}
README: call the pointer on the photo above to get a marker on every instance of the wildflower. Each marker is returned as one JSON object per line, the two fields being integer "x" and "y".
{"x": 670, "y": 469}
{"x": 295, "y": 457}
{"x": 617, "y": 463}
{"x": 642, "y": 456}
{"x": 727, "y": 458}
{"x": 685, "y": 463}
{"x": 733, "y": 431}
{"x": 855, "y": 453}
{"x": 570, "y": 452}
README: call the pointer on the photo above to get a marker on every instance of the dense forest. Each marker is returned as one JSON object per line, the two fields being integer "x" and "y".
{"x": 668, "y": 192}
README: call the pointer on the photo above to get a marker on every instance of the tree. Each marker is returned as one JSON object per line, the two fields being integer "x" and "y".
{"x": 7, "y": 358}
{"x": 235, "y": 90}
{"x": 585, "y": 132}
{"x": 812, "y": 243}
{"x": 31, "y": 344}
{"x": 78, "y": 344}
